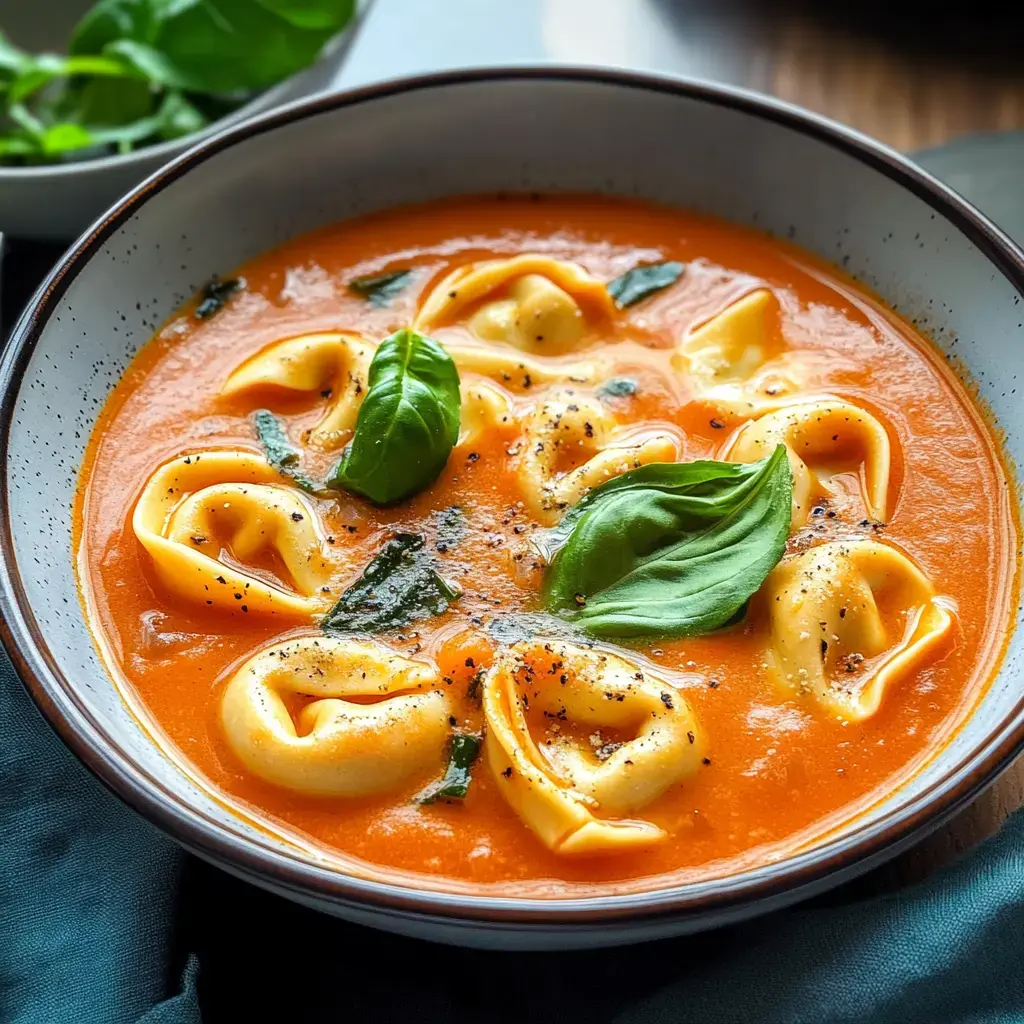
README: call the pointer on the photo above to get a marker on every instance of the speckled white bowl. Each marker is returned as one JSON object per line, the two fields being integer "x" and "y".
{"x": 743, "y": 157}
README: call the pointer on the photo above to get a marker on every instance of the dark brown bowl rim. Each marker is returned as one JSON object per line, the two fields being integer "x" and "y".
{"x": 725, "y": 897}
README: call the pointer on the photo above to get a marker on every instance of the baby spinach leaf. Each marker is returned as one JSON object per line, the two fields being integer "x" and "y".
{"x": 670, "y": 549}
{"x": 215, "y": 294}
{"x": 380, "y": 289}
{"x": 399, "y": 586}
{"x": 454, "y": 784}
{"x": 141, "y": 71}
{"x": 312, "y": 14}
{"x": 408, "y": 422}
{"x": 278, "y": 449}
{"x": 640, "y": 282}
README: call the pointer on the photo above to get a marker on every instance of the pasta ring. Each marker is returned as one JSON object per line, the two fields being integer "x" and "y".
{"x": 538, "y": 302}
{"x": 827, "y": 627}
{"x": 822, "y": 438}
{"x": 340, "y": 745}
{"x": 578, "y": 425}
{"x": 337, "y": 362}
{"x": 190, "y": 501}
{"x": 557, "y": 788}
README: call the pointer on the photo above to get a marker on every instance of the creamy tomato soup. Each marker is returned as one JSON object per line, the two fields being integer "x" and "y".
{"x": 545, "y": 545}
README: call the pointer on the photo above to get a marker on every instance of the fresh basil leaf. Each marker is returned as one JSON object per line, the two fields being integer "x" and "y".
{"x": 312, "y": 14}
{"x": 640, "y": 282}
{"x": 408, "y": 422}
{"x": 380, "y": 289}
{"x": 13, "y": 60}
{"x": 617, "y": 387}
{"x": 233, "y": 46}
{"x": 64, "y": 138}
{"x": 277, "y": 448}
{"x": 178, "y": 117}
{"x": 399, "y": 586}
{"x": 215, "y": 295}
{"x": 149, "y": 62}
{"x": 454, "y": 784}
{"x": 670, "y": 549}
{"x": 110, "y": 20}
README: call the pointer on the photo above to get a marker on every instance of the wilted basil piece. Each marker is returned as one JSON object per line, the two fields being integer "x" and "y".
{"x": 408, "y": 422}
{"x": 640, "y": 282}
{"x": 399, "y": 586}
{"x": 279, "y": 451}
{"x": 454, "y": 784}
{"x": 215, "y": 294}
{"x": 380, "y": 289}
{"x": 670, "y": 549}
{"x": 617, "y": 387}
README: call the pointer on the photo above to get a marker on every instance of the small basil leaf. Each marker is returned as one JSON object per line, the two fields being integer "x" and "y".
{"x": 617, "y": 387}
{"x": 215, "y": 295}
{"x": 408, "y": 422}
{"x": 670, "y": 549}
{"x": 380, "y": 289}
{"x": 278, "y": 449}
{"x": 454, "y": 784}
{"x": 640, "y": 282}
{"x": 399, "y": 586}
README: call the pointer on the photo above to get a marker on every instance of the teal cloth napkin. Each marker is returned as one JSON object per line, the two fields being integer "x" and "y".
{"x": 87, "y": 888}
{"x": 98, "y": 925}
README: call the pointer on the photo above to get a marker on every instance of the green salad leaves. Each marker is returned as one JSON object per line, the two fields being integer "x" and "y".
{"x": 670, "y": 549}
{"x": 140, "y": 72}
{"x": 408, "y": 422}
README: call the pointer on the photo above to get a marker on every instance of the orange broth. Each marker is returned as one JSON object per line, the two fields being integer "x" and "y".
{"x": 781, "y": 773}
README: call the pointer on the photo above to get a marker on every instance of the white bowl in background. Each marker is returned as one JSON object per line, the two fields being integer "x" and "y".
{"x": 59, "y": 201}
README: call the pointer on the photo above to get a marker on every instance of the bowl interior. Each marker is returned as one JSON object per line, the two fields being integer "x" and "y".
{"x": 345, "y": 156}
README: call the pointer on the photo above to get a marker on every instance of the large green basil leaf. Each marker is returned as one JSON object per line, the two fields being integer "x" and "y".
{"x": 408, "y": 422}
{"x": 670, "y": 549}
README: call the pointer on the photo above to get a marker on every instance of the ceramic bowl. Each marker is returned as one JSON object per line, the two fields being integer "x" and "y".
{"x": 59, "y": 201}
{"x": 743, "y": 157}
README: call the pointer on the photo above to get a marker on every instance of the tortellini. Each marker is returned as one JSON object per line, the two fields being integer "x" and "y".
{"x": 572, "y": 443}
{"x": 485, "y": 408}
{"x": 198, "y": 508}
{"x": 577, "y": 791}
{"x": 534, "y": 303}
{"x": 378, "y": 719}
{"x": 737, "y": 358}
{"x": 848, "y": 620}
{"x": 823, "y": 438}
{"x": 334, "y": 364}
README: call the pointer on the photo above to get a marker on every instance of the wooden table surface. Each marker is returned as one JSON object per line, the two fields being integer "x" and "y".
{"x": 912, "y": 82}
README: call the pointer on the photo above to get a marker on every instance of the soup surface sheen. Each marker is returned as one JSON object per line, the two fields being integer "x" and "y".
{"x": 774, "y": 764}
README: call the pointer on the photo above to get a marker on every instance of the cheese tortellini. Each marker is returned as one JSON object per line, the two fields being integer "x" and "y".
{"x": 737, "y": 359}
{"x": 572, "y": 443}
{"x": 485, "y": 408}
{"x": 334, "y": 364}
{"x": 577, "y": 791}
{"x": 197, "y": 509}
{"x": 823, "y": 438}
{"x": 848, "y": 620}
{"x": 534, "y": 303}
{"x": 377, "y": 719}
